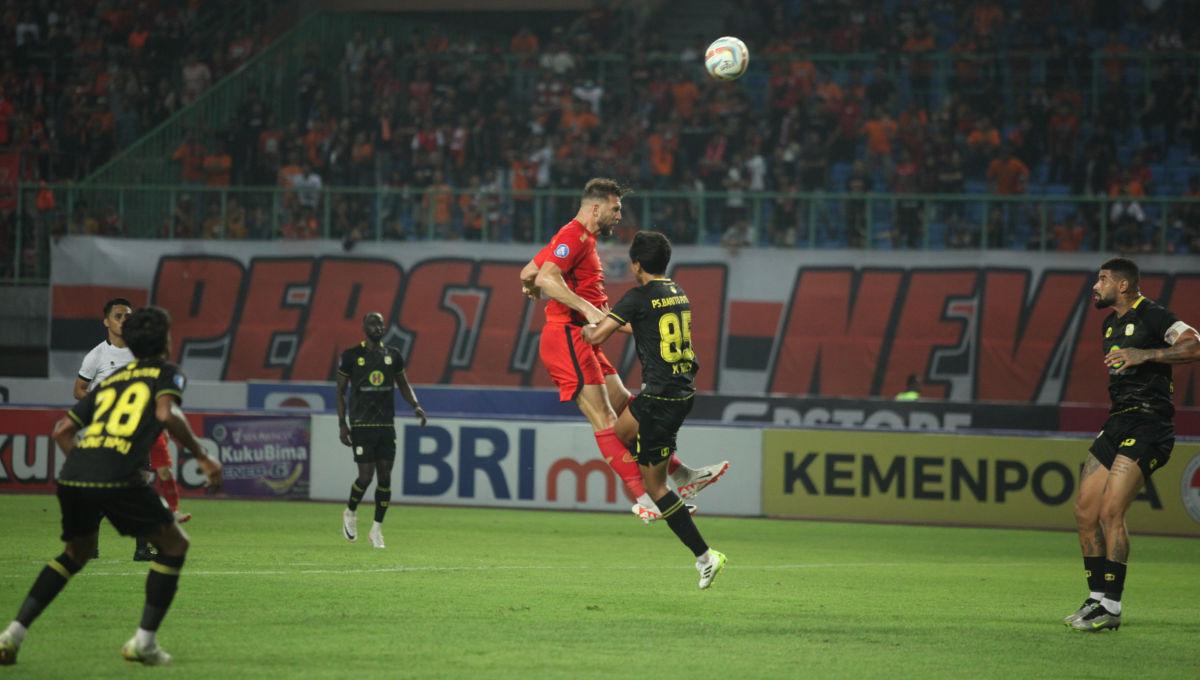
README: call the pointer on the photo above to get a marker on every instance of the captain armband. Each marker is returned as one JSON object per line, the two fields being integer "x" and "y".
{"x": 1176, "y": 331}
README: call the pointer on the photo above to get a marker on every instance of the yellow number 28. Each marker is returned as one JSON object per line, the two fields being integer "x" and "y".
{"x": 119, "y": 416}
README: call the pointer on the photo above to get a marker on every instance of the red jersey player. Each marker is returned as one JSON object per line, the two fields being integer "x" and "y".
{"x": 569, "y": 272}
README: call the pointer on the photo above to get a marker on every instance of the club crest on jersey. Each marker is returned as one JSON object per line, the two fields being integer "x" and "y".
{"x": 362, "y": 361}
{"x": 561, "y": 250}
{"x": 1128, "y": 329}
{"x": 388, "y": 360}
{"x": 376, "y": 378}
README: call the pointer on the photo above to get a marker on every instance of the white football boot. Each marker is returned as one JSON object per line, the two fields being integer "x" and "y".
{"x": 701, "y": 478}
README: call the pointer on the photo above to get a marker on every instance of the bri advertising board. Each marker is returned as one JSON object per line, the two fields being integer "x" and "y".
{"x": 263, "y": 456}
{"x": 528, "y": 465}
{"x": 958, "y": 479}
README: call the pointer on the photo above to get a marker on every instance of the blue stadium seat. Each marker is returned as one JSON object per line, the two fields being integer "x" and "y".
{"x": 937, "y": 235}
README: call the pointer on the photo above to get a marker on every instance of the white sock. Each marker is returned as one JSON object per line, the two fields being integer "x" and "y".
{"x": 376, "y": 526}
{"x": 705, "y": 558}
{"x": 1113, "y": 606}
{"x": 645, "y": 501}
{"x": 143, "y": 638}
{"x": 1095, "y": 596}
{"x": 17, "y": 632}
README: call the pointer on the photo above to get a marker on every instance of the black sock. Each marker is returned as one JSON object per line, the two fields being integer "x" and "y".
{"x": 1093, "y": 569}
{"x": 356, "y": 494}
{"x": 383, "y": 497}
{"x": 1114, "y": 580}
{"x": 680, "y": 520}
{"x": 48, "y": 585}
{"x": 161, "y": 583}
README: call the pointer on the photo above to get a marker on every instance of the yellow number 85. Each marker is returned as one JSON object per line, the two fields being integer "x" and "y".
{"x": 676, "y": 337}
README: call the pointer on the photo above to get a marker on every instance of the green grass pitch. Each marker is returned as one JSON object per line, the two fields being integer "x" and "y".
{"x": 272, "y": 590}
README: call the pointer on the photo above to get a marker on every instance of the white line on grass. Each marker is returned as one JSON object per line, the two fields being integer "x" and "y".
{"x": 399, "y": 569}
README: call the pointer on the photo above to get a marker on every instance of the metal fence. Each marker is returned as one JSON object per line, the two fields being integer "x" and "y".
{"x": 870, "y": 221}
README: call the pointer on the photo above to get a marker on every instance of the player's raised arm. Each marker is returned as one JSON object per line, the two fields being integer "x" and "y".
{"x": 1185, "y": 348}
{"x": 550, "y": 280}
{"x": 167, "y": 411}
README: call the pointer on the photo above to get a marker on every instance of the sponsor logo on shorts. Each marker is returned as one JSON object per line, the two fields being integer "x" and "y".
{"x": 561, "y": 250}
{"x": 1190, "y": 492}
{"x": 358, "y": 450}
{"x": 1128, "y": 442}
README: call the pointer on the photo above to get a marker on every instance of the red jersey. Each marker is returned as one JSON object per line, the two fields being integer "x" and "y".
{"x": 573, "y": 249}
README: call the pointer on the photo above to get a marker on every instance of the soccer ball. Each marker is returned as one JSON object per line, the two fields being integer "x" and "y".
{"x": 726, "y": 58}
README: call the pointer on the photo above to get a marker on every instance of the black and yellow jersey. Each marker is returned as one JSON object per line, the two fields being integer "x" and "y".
{"x": 371, "y": 372}
{"x": 118, "y": 425}
{"x": 661, "y": 316}
{"x": 1146, "y": 388}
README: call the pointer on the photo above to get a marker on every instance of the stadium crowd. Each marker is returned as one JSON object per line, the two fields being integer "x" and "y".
{"x": 81, "y": 79}
{"x": 986, "y": 97}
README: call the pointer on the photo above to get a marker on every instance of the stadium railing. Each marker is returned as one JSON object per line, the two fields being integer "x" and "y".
{"x": 818, "y": 220}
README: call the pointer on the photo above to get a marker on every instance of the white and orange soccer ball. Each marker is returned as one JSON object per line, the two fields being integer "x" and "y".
{"x": 726, "y": 58}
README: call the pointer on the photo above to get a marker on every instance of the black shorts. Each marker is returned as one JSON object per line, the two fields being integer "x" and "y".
{"x": 1146, "y": 440}
{"x": 373, "y": 443}
{"x": 659, "y": 420}
{"x": 133, "y": 511}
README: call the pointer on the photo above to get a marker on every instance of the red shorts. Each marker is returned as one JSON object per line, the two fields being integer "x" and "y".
{"x": 160, "y": 455}
{"x": 571, "y": 360}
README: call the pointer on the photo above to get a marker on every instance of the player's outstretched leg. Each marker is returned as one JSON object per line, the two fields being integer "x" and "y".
{"x": 690, "y": 482}
{"x": 708, "y": 562}
{"x": 49, "y": 583}
{"x": 161, "y": 583}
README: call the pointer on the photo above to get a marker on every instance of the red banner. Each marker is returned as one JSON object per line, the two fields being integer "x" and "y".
{"x": 768, "y": 321}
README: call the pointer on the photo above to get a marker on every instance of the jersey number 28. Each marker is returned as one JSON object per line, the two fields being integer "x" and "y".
{"x": 119, "y": 416}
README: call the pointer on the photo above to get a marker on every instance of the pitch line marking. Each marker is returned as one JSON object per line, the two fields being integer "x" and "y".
{"x": 534, "y": 567}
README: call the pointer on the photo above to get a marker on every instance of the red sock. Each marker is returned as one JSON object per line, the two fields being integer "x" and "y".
{"x": 170, "y": 492}
{"x": 621, "y": 461}
{"x": 673, "y": 464}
